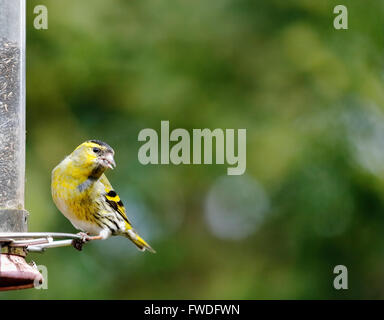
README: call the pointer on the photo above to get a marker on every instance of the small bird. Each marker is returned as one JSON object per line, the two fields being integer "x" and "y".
{"x": 82, "y": 192}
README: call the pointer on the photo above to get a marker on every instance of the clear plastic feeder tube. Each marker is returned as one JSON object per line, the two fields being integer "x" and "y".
{"x": 12, "y": 115}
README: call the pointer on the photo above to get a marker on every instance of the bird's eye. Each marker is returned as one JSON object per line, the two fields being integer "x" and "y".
{"x": 96, "y": 150}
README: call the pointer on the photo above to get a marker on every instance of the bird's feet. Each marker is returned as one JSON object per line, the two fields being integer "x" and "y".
{"x": 78, "y": 243}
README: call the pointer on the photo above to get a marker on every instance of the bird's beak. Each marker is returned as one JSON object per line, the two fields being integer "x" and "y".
{"x": 110, "y": 162}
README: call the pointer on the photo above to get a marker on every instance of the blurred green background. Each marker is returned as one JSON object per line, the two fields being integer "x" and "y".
{"x": 310, "y": 97}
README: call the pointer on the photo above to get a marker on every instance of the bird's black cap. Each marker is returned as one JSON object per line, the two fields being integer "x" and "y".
{"x": 102, "y": 143}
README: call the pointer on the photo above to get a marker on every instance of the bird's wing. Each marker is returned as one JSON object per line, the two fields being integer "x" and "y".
{"x": 113, "y": 200}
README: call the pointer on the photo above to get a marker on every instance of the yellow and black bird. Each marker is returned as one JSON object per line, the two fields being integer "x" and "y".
{"x": 82, "y": 192}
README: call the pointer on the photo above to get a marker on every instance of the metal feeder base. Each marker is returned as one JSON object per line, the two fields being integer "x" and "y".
{"x": 16, "y": 273}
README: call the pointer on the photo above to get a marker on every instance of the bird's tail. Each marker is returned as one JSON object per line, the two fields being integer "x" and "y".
{"x": 138, "y": 241}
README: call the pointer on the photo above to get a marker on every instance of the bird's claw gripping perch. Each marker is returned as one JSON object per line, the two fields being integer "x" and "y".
{"x": 78, "y": 243}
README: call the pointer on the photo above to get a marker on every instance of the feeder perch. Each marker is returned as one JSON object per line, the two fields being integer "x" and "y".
{"x": 15, "y": 272}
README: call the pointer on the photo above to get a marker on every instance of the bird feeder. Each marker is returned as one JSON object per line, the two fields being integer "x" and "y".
{"x": 15, "y": 272}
